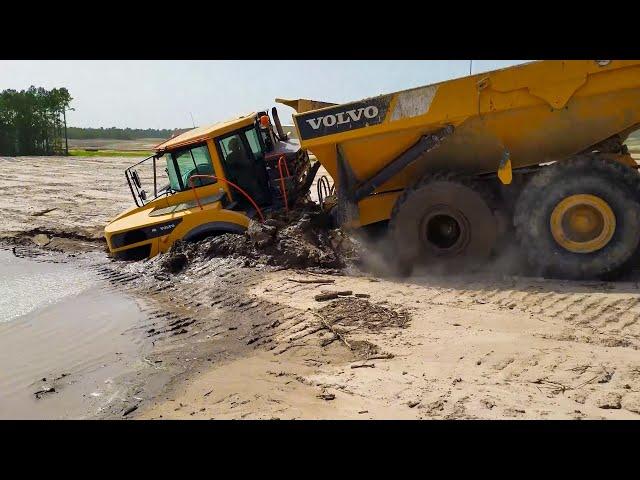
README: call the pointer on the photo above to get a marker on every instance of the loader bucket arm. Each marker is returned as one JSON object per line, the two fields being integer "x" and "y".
{"x": 302, "y": 105}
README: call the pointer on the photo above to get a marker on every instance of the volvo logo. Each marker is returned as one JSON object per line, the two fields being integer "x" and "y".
{"x": 341, "y": 118}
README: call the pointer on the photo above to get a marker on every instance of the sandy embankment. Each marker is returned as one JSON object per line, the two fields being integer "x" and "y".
{"x": 71, "y": 195}
{"x": 241, "y": 342}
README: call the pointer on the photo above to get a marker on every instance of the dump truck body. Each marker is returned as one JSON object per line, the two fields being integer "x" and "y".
{"x": 537, "y": 112}
{"x": 434, "y": 160}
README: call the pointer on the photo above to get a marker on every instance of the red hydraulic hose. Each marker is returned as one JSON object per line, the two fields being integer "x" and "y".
{"x": 247, "y": 196}
{"x": 282, "y": 187}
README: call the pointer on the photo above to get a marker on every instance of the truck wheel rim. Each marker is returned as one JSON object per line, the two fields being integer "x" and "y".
{"x": 445, "y": 231}
{"x": 582, "y": 223}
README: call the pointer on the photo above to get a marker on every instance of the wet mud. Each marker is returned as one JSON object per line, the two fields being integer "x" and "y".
{"x": 241, "y": 326}
{"x": 301, "y": 238}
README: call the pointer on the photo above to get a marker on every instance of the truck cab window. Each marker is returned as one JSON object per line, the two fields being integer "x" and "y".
{"x": 183, "y": 164}
{"x": 254, "y": 144}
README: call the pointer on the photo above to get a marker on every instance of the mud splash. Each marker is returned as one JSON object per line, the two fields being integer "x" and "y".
{"x": 300, "y": 238}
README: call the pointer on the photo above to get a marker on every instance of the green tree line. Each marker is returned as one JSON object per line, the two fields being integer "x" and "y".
{"x": 32, "y": 121}
{"x": 114, "y": 133}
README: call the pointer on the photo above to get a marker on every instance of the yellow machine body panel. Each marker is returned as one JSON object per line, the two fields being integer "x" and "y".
{"x": 182, "y": 216}
{"x": 536, "y": 113}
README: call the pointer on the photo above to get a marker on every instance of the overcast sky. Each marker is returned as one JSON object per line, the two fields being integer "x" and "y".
{"x": 162, "y": 94}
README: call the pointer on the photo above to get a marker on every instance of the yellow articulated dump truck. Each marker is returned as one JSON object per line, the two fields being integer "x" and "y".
{"x": 535, "y": 150}
{"x": 451, "y": 169}
{"x": 208, "y": 181}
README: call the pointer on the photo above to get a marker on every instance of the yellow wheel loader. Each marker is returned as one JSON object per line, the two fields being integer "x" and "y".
{"x": 208, "y": 181}
{"x": 454, "y": 167}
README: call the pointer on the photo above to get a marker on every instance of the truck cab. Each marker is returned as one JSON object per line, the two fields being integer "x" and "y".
{"x": 208, "y": 181}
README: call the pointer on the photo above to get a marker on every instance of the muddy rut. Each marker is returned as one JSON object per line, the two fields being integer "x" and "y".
{"x": 472, "y": 348}
{"x": 229, "y": 338}
{"x": 429, "y": 347}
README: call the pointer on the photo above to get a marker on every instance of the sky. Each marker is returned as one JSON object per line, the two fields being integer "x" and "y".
{"x": 165, "y": 94}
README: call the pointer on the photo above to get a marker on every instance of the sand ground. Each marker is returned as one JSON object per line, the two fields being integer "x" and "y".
{"x": 222, "y": 340}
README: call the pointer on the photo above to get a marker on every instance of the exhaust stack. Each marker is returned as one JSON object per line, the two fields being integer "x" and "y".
{"x": 274, "y": 114}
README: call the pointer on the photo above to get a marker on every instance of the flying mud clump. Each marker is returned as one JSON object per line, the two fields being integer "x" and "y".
{"x": 300, "y": 238}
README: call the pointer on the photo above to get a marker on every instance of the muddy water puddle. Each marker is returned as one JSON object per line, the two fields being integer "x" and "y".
{"x": 26, "y": 285}
{"x": 65, "y": 334}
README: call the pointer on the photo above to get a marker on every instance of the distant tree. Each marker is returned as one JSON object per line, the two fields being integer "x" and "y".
{"x": 31, "y": 121}
{"x": 114, "y": 133}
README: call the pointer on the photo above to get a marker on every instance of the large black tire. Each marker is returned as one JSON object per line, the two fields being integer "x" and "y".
{"x": 444, "y": 221}
{"x": 612, "y": 182}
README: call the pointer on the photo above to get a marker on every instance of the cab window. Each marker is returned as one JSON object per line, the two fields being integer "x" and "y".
{"x": 233, "y": 150}
{"x": 183, "y": 164}
{"x": 254, "y": 143}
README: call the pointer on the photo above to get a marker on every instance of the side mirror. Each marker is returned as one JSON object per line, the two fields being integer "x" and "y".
{"x": 136, "y": 178}
{"x": 142, "y": 195}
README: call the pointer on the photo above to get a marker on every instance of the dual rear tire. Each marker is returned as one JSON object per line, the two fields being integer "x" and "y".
{"x": 578, "y": 219}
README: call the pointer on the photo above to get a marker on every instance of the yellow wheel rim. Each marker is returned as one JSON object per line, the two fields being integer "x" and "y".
{"x": 582, "y": 223}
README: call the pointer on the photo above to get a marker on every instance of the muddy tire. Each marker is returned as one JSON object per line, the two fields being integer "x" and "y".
{"x": 445, "y": 222}
{"x": 580, "y": 218}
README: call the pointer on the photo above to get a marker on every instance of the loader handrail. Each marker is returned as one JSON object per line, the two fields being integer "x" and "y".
{"x": 247, "y": 196}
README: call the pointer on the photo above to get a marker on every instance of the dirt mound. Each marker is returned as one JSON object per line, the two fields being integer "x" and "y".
{"x": 300, "y": 238}
{"x": 174, "y": 262}
{"x": 350, "y": 319}
{"x": 361, "y": 313}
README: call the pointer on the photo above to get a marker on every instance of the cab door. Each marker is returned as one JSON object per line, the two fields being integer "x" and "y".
{"x": 242, "y": 156}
